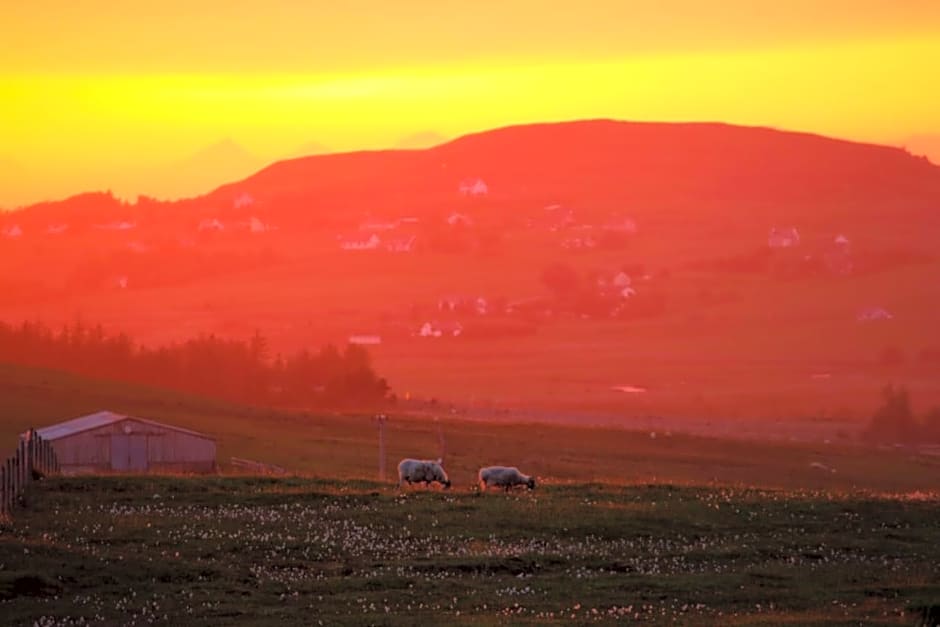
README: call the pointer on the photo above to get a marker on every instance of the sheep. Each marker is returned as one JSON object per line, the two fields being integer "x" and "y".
{"x": 418, "y": 470}
{"x": 506, "y": 477}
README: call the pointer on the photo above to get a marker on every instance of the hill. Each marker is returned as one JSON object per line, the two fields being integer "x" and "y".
{"x": 758, "y": 273}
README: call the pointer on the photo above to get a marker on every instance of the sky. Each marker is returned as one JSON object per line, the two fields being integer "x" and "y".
{"x": 173, "y": 98}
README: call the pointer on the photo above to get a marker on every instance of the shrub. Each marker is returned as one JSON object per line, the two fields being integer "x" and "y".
{"x": 893, "y": 422}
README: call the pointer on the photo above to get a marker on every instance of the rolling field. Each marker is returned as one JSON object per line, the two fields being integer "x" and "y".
{"x": 346, "y": 446}
{"x": 219, "y": 551}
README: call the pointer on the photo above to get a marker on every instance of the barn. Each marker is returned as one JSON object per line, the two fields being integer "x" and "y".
{"x": 110, "y": 442}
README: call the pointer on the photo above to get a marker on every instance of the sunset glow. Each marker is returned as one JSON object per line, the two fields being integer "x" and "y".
{"x": 118, "y": 98}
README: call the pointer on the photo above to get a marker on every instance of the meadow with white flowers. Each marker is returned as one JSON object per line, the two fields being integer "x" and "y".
{"x": 243, "y": 550}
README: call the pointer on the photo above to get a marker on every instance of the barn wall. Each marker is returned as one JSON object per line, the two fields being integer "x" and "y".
{"x": 168, "y": 450}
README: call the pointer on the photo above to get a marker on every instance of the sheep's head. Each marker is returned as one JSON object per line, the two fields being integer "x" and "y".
{"x": 531, "y": 483}
{"x": 446, "y": 484}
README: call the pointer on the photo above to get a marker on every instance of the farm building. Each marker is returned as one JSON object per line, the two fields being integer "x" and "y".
{"x": 109, "y": 442}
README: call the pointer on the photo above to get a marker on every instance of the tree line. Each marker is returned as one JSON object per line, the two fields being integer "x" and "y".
{"x": 237, "y": 370}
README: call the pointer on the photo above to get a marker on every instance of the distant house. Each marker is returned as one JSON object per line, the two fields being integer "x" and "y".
{"x": 579, "y": 243}
{"x": 365, "y": 340}
{"x": 464, "y": 304}
{"x": 872, "y": 314}
{"x": 117, "y": 226}
{"x": 57, "y": 229}
{"x": 243, "y": 200}
{"x": 459, "y": 219}
{"x": 473, "y": 187}
{"x": 257, "y": 226}
{"x": 359, "y": 243}
{"x": 13, "y": 231}
{"x": 621, "y": 279}
{"x": 436, "y": 329}
{"x": 211, "y": 224}
{"x": 624, "y": 226}
{"x": 785, "y": 237}
{"x": 109, "y": 442}
{"x": 401, "y": 245}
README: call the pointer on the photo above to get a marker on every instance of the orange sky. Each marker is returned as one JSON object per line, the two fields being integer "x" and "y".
{"x": 173, "y": 97}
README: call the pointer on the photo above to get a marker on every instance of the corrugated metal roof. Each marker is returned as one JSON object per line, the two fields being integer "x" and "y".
{"x": 101, "y": 419}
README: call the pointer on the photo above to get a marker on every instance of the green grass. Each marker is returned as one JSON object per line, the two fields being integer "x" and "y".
{"x": 297, "y": 550}
{"x": 346, "y": 446}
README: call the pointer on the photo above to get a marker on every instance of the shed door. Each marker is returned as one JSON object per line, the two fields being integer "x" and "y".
{"x": 129, "y": 452}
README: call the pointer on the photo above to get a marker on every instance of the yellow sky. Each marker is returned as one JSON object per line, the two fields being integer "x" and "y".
{"x": 128, "y": 96}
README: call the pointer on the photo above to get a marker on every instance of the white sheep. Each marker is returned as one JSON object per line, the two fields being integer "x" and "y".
{"x": 418, "y": 470}
{"x": 506, "y": 477}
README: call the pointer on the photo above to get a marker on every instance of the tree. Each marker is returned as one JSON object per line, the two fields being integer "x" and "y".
{"x": 893, "y": 422}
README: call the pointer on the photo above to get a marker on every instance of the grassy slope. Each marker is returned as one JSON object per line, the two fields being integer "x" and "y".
{"x": 346, "y": 446}
{"x": 260, "y": 551}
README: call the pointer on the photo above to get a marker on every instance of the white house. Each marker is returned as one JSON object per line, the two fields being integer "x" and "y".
{"x": 371, "y": 243}
{"x": 401, "y": 245}
{"x": 243, "y": 200}
{"x": 117, "y": 226}
{"x": 13, "y": 231}
{"x": 434, "y": 329}
{"x": 257, "y": 226}
{"x": 625, "y": 226}
{"x": 57, "y": 229}
{"x": 621, "y": 279}
{"x": 786, "y": 237}
{"x": 365, "y": 340}
{"x": 211, "y": 224}
{"x": 872, "y": 314}
{"x": 473, "y": 187}
{"x": 459, "y": 219}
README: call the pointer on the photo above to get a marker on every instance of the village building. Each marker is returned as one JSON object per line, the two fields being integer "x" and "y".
{"x": 401, "y": 245}
{"x": 211, "y": 224}
{"x": 243, "y": 200}
{"x": 57, "y": 229}
{"x": 473, "y": 187}
{"x": 365, "y": 340}
{"x": 109, "y": 442}
{"x": 873, "y": 314}
{"x": 13, "y": 231}
{"x": 359, "y": 243}
{"x": 786, "y": 237}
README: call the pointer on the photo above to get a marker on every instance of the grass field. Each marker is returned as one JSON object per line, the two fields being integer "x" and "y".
{"x": 346, "y": 446}
{"x": 214, "y": 551}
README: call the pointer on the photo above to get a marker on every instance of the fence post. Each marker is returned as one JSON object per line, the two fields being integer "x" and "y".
{"x": 30, "y": 453}
{"x": 24, "y": 463}
{"x": 8, "y": 484}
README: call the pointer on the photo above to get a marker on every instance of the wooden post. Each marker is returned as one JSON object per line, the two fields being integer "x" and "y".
{"x": 7, "y": 485}
{"x": 11, "y": 482}
{"x": 19, "y": 466}
{"x": 381, "y": 419}
{"x": 441, "y": 445}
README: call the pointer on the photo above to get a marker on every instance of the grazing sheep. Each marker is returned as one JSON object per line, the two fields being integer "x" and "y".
{"x": 418, "y": 470}
{"x": 506, "y": 477}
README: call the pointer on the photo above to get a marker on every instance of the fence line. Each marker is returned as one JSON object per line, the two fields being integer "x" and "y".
{"x": 34, "y": 458}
